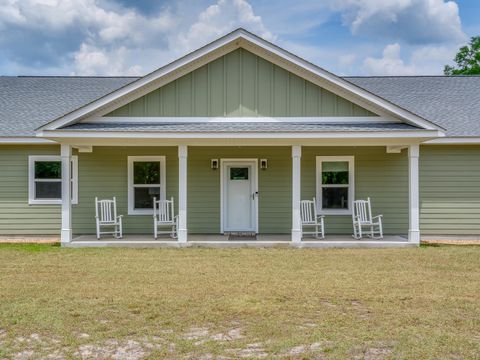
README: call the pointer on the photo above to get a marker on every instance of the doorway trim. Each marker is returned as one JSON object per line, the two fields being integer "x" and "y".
{"x": 222, "y": 189}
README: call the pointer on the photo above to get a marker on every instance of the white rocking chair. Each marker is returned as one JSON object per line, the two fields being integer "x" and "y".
{"x": 362, "y": 218}
{"x": 164, "y": 217}
{"x": 106, "y": 216}
{"x": 310, "y": 219}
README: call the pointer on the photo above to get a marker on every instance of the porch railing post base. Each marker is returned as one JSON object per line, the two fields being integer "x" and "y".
{"x": 414, "y": 236}
{"x": 296, "y": 236}
{"x": 65, "y": 236}
{"x": 182, "y": 236}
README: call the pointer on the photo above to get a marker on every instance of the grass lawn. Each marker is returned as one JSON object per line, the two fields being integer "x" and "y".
{"x": 231, "y": 303}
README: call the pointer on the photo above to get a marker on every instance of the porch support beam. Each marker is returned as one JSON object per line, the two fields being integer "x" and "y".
{"x": 413, "y": 194}
{"x": 66, "y": 231}
{"x": 296, "y": 189}
{"x": 182, "y": 193}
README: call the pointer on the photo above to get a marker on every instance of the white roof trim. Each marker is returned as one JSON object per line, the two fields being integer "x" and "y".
{"x": 307, "y": 119}
{"x": 221, "y": 46}
{"x": 25, "y": 141}
{"x": 240, "y": 135}
{"x": 454, "y": 141}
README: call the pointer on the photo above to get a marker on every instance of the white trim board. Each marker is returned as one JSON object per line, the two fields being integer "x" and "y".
{"x": 234, "y": 40}
{"x": 26, "y": 141}
{"x": 222, "y": 188}
{"x": 454, "y": 141}
{"x": 258, "y": 119}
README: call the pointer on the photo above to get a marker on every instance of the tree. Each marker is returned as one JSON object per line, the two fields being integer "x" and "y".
{"x": 467, "y": 59}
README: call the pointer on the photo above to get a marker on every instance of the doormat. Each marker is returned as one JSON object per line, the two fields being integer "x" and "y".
{"x": 242, "y": 236}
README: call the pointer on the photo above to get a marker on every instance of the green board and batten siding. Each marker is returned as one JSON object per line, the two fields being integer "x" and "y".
{"x": 240, "y": 84}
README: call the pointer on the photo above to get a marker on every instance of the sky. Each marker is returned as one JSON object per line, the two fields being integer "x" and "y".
{"x": 130, "y": 38}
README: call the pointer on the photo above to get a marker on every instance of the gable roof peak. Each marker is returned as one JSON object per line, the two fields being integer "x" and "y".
{"x": 221, "y": 46}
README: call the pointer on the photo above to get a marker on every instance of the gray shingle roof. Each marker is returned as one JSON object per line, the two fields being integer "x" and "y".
{"x": 452, "y": 102}
{"x": 239, "y": 127}
{"x": 29, "y": 102}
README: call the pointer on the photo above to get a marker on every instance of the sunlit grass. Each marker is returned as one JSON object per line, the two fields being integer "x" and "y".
{"x": 418, "y": 303}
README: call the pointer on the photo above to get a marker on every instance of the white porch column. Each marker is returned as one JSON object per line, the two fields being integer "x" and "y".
{"x": 182, "y": 193}
{"x": 296, "y": 188}
{"x": 413, "y": 194}
{"x": 66, "y": 232}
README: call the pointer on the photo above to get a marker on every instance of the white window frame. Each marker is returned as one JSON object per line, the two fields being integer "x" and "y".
{"x": 32, "y": 159}
{"x": 320, "y": 186}
{"x": 131, "y": 193}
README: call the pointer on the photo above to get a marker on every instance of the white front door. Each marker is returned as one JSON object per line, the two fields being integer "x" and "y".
{"x": 240, "y": 195}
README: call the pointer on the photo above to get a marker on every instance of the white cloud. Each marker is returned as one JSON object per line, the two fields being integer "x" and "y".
{"x": 116, "y": 40}
{"x": 427, "y": 60}
{"x": 220, "y": 18}
{"x": 389, "y": 64}
{"x": 414, "y": 21}
{"x": 90, "y": 60}
{"x": 57, "y": 14}
{"x": 143, "y": 53}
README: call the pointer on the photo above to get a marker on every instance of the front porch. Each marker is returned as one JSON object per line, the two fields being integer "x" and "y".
{"x": 199, "y": 189}
{"x": 222, "y": 241}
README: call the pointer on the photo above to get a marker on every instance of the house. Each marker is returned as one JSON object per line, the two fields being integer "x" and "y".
{"x": 238, "y": 132}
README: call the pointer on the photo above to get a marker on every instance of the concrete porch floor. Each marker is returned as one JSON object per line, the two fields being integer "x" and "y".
{"x": 221, "y": 241}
